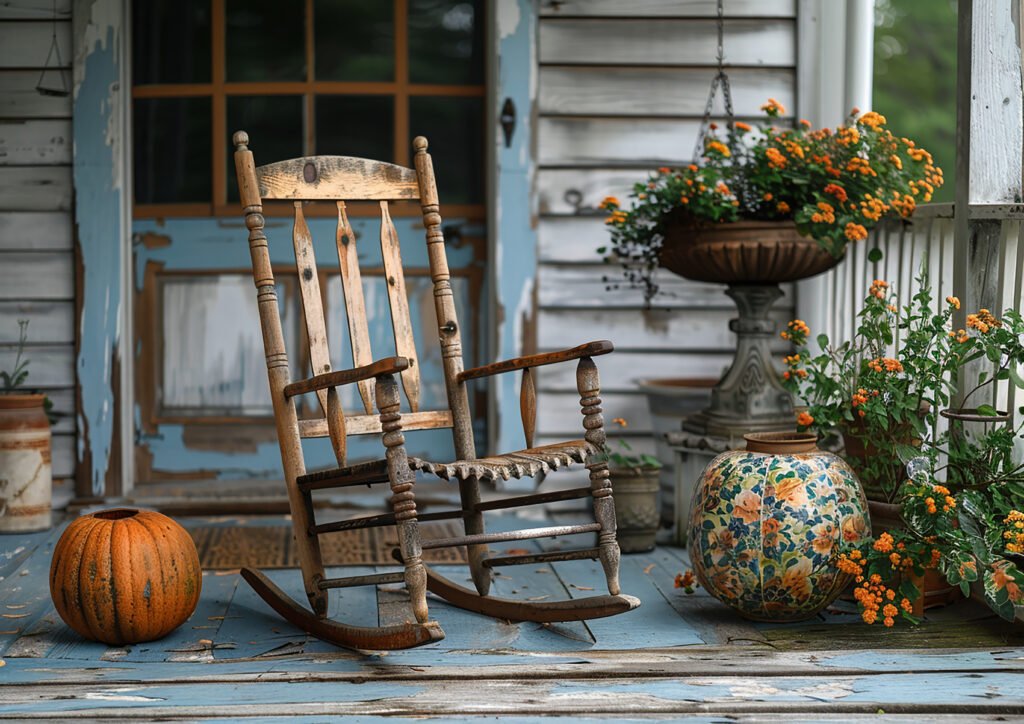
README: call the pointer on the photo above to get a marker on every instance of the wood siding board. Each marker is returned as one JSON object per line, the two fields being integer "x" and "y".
{"x": 652, "y": 330}
{"x": 36, "y": 275}
{"x": 581, "y": 286}
{"x": 20, "y": 99}
{"x": 26, "y": 44}
{"x": 621, "y": 370}
{"x": 35, "y": 231}
{"x": 653, "y": 91}
{"x": 35, "y": 188}
{"x": 665, "y": 8}
{"x": 35, "y": 142}
{"x": 52, "y": 366}
{"x": 63, "y": 452}
{"x": 594, "y": 184}
{"x": 49, "y": 321}
{"x": 662, "y": 41}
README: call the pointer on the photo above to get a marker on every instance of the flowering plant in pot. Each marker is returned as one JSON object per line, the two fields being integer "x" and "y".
{"x": 634, "y": 477}
{"x": 25, "y": 448}
{"x": 830, "y": 185}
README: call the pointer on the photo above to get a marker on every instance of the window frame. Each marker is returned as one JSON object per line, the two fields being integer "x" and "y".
{"x": 219, "y": 89}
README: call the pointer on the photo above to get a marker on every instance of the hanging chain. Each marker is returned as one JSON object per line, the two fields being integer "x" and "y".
{"x": 721, "y": 79}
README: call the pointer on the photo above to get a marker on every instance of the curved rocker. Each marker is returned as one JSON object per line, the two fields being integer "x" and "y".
{"x": 575, "y": 609}
{"x": 360, "y": 638}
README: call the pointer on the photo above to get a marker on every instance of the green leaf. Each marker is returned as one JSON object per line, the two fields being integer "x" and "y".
{"x": 823, "y": 340}
{"x": 1015, "y": 376}
{"x": 875, "y": 255}
{"x": 987, "y": 410}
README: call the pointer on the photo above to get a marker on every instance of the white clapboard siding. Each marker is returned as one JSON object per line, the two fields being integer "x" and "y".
{"x": 63, "y": 450}
{"x": 35, "y": 142}
{"x": 49, "y": 322}
{"x": 35, "y": 231}
{"x": 696, "y": 330}
{"x": 34, "y": 9}
{"x": 584, "y": 286}
{"x": 653, "y": 91}
{"x": 35, "y": 188}
{"x": 660, "y": 41}
{"x": 558, "y": 413}
{"x": 556, "y": 187}
{"x": 20, "y": 99}
{"x": 50, "y": 366}
{"x": 665, "y": 8}
{"x": 36, "y": 275}
{"x": 26, "y": 44}
{"x": 620, "y": 370}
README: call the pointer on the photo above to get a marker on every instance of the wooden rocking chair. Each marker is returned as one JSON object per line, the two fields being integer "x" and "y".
{"x": 341, "y": 179}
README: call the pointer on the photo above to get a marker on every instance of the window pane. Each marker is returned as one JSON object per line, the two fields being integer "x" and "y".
{"x": 354, "y": 40}
{"x": 170, "y": 41}
{"x": 275, "y": 128}
{"x": 172, "y": 150}
{"x": 265, "y": 40}
{"x": 446, "y": 41}
{"x": 356, "y": 126}
{"x": 455, "y": 129}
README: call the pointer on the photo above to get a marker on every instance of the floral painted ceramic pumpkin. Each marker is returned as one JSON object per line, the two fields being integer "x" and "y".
{"x": 766, "y": 525}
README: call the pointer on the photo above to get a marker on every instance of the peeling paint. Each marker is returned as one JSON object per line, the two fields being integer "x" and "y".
{"x": 97, "y": 116}
{"x": 514, "y": 256}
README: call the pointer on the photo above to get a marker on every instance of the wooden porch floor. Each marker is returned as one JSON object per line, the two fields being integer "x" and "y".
{"x": 677, "y": 655}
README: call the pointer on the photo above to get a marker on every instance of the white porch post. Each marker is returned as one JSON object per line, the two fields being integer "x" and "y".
{"x": 990, "y": 143}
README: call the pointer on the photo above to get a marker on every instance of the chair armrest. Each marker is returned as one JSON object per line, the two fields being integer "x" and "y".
{"x": 386, "y": 366}
{"x": 590, "y": 349}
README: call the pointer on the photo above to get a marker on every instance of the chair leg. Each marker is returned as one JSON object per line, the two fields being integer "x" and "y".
{"x": 308, "y": 548}
{"x": 403, "y": 499}
{"x": 473, "y": 520}
{"x": 589, "y": 387}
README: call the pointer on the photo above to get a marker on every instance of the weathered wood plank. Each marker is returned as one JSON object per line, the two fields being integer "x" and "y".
{"x": 336, "y": 177}
{"x": 354, "y": 302}
{"x": 35, "y": 230}
{"x": 49, "y": 322}
{"x": 38, "y": 275}
{"x": 398, "y": 301}
{"x": 312, "y": 305}
{"x": 625, "y": 91}
{"x": 663, "y": 41}
{"x": 653, "y": 329}
{"x": 63, "y": 453}
{"x": 35, "y": 188}
{"x": 666, "y": 8}
{"x": 26, "y": 44}
{"x": 557, "y": 187}
{"x": 35, "y": 142}
{"x": 20, "y": 99}
{"x": 586, "y": 285}
{"x": 51, "y": 366}
{"x": 620, "y": 370}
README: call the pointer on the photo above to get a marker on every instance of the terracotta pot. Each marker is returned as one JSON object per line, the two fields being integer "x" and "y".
{"x": 125, "y": 576}
{"x": 857, "y": 453}
{"x": 746, "y": 252}
{"x": 935, "y": 589}
{"x": 635, "y": 492}
{"x": 26, "y": 481}
{"x": 767, "y": 523}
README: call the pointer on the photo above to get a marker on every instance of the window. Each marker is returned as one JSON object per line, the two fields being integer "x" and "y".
{"x": 344, "y": 77}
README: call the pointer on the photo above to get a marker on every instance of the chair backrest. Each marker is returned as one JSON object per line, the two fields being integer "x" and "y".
{"x": 341, "y": 179}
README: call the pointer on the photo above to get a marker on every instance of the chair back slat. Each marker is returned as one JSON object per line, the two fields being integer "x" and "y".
{"x": 355, "y": 303}
{"x": 401, "y": 320}
{"x": 336, "y": 177}
{"x": 312, "y": 306}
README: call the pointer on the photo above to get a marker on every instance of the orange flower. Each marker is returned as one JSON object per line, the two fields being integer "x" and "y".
{"x": 782, "y": 207}
{"x": 747, "y": 506}
{"x": 773, "y": 108}
{"x": 775, "y": 158}
{"x": 719, "y": 147}
{"x": 872, "y": 120}
{"x": 742, "y": 126}
{"x": 836, "y": 190}
{"x": 855, "y": 232}
{"x": 609, "y": 203}
{"x": 804, "y": 419}
{"x": 684, "y": 580}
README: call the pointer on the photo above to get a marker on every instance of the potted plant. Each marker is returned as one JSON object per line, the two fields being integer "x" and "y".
{"x": 26, "y": 481}
{"x": 634, "y": 479}
{"x": 764, "y": 206}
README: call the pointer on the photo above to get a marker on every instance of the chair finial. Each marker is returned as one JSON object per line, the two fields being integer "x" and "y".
{"x": 241, "y": 140}
{"x": 419, "y": 144}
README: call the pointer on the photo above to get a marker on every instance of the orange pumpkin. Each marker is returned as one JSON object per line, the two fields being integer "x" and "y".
{"x": 125, "y": 576}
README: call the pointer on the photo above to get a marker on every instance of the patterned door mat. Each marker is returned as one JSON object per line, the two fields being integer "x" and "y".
{"x": 272, "y": 546}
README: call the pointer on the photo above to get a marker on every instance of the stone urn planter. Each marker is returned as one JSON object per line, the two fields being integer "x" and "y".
{"x": 766, "y": 525}
{"x": 636, "y": 495}
{"x": 26, "y": 480}
{"x": 753, "y": 258}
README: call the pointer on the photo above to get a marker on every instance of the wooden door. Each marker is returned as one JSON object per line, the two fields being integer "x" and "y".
{"x": 343, "y": 77}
